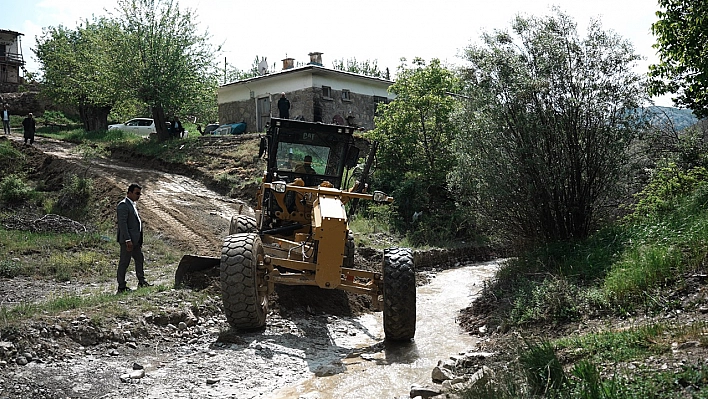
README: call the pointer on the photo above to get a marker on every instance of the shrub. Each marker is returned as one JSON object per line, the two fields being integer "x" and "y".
{"x": 9, "y": 268}
{"x": 74, "y": 197}
{"x": 11, "y": 160}
{"x": 13, "y": 189}
{"x": 667, "y": 186}
{"x": 543, "y": 371}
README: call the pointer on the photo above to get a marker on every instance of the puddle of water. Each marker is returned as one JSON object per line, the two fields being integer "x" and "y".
{"x": 390, "y": 373}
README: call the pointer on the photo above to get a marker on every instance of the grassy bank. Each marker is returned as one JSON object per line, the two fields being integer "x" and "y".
{"x": 639, "y": 283}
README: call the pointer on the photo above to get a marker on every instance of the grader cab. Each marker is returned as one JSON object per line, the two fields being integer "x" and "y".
{"x": 300, "y": 233}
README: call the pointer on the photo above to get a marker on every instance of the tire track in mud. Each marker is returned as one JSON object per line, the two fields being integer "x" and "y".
{"x": 175, "y": 207}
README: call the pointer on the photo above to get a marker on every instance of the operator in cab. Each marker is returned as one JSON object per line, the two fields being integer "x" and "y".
{"x": 306, "y": 166}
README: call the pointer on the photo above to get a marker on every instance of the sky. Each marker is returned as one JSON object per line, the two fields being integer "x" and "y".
{"x": 375, "y": 30}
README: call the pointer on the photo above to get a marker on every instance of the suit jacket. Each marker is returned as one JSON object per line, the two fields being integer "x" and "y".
{"x": 128, "y": 223}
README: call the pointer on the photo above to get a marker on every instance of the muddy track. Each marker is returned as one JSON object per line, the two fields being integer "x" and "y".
{"x": 174, "y": 207}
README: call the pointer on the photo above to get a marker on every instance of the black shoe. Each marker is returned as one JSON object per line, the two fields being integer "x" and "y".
{"x": 123, "y": 290}
{"x": 144, "y": 283}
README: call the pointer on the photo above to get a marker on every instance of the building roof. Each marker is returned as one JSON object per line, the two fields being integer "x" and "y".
{"x": 11, "y": 32}
{"x": 312, "y": 68}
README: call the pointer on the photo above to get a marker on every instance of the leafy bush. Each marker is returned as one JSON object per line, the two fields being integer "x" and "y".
{"x": 554, "y": 299}
{"x": 13, "y": 189}
{"x": 58, "y": 118}
{"x": 667, "y": 186}
{"x": 74, "y": 198}
{"x": 9, "y": 268}
{"x": 11, "y": 159}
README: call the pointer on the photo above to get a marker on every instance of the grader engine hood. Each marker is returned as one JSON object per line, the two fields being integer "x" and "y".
{"x": 329, "y": 227}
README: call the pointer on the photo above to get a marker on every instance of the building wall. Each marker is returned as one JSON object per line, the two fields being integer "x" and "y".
{"x": 10, "y": 74}
{"x": 304, "y": 105}
{"x": 238, "y": 102}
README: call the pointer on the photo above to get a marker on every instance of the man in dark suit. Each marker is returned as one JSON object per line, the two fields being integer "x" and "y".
{"x": 130, "y": 237}
{"x": 284, "y": 106}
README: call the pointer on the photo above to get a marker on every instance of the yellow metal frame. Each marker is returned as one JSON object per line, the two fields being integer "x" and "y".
{"x": 314, "y": 254}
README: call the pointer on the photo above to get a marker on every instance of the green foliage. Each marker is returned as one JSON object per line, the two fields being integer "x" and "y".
{"x": 681, "y": 43}
{"x": 233, "y": 74}
{"x": 75, "y": 198}
{"x": 666, "y": 187}
{"x": 366, "y": 67}
{"x": 13, "y": 189}
{"x": 547, "y": 129}
{"x": 551, "y": 300}
{"x": 616, "y": 269}
{"x": 11, "y": 159}
{"x": 50, "y": 117}
{"x": 9, "y": 268}
{"x": 584, "y": 373}
{"x": 543, "y": 370}
{"x": 415, "y": 132}
{"x": 641, "y": 270}
{"x": 78, "y": 68}
{"x": 165, "y": 62}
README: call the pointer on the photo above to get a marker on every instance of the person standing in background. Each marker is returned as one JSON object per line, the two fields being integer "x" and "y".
{"x": 284, "y": 106}
{"x": 6, "y": 119}
{"x": 29, "y": 126}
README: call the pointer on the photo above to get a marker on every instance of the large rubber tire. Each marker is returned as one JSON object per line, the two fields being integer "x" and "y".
{"x": 242, "y": 224}
{"x": 349, "y": 251}
{"x": 399, "y": 294}
{"x": 243, "y": 285}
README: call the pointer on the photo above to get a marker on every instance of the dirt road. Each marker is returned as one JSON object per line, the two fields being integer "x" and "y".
{"x": 177, "y": 207}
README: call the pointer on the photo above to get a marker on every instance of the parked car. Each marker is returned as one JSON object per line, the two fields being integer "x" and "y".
{"x": 209, "y": 129}
{"x": 139, "y": 126}
{"x": 230, "y": 128}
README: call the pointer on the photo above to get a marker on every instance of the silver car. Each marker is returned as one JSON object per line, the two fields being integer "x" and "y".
{"x": 138, "y": 126}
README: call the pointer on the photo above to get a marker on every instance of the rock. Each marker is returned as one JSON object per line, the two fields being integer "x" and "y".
{"x": 688, "y": 344}
{"x": 182, "y": 326}
{"x": 471, "y": 358}
{"x": 329, "y": 369}
{"x": 137, "y": 374}
{"x": 137, "y": 366}
{"x": 424, "y": 392}
{"x": 441, "y": 374}
{"x": 448, "y": 364}
{"x": 212, "y": 380}
{"x": 22, "y": 361}
{"x": 113, "y": 352}
{"x": 6, "y": 347}
{"x": 125, "y": 377}
{"x": 481, "y": 376}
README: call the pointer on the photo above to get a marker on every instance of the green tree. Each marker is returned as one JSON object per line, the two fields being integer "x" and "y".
{"x": 682, "y": 44}
{"x": 164, "y": 61}
{"x": 368, "y": 68}
{"x": 415, "y": 133}
{"x": 234, "y": 74}
{"x": 78, "y": 69}
{"x": 550, "y": 120}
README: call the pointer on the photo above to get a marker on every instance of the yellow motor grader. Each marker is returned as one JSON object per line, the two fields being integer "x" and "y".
{"x": 300, "y": 233}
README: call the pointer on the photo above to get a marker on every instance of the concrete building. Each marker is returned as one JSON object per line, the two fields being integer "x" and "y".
{"x": 11, "y": 61}
{"x": 316, "y": 94}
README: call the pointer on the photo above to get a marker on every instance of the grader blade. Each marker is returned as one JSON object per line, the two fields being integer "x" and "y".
{"x": 193, "y": 263}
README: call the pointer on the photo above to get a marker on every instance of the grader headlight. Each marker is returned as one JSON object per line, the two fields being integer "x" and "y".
{"x": 279, "y": 186}
{"x": 380, "y": 196}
